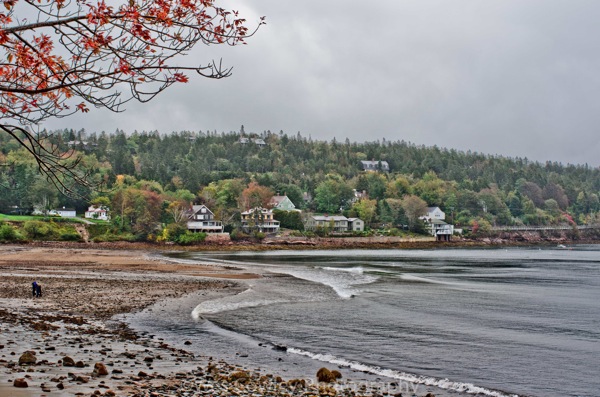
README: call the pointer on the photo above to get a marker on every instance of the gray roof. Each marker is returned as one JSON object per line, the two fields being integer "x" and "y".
{"x": 197, "y": 208}
{"x": 329, "y": 218}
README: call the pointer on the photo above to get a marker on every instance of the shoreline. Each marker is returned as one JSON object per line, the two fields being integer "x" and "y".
{"x": 87, "y": 286}
{"x": 86, "y": 293}
{"x": 327, "y": 243}
{"x": 82, "y": 291}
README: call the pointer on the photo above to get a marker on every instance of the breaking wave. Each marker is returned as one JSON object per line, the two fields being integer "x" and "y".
{"x": 445, "y": 384}
{"x": 342, "y": 281}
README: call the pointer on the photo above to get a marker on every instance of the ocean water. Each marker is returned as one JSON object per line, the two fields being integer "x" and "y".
{"x": 489, "y": 322}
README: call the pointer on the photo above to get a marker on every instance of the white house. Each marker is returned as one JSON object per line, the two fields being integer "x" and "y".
{"x": 97, "y": 213}
{"x": 201, "y": 219}
{"x": 359, "y": 195}
{"x": 441, "y": 230}
{"x": 64, "y": 212}
{"x": 434, "y": 221}
{"x": 433, "y": 213}
{"x": 375, "y": 165}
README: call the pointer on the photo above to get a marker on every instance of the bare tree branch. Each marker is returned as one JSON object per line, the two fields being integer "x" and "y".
{"x": 85, "y": 52}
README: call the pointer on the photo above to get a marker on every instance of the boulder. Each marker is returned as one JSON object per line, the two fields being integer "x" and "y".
{"x": 325, "y": 375}
{"x": 337, "y": 374}
{"x": 20, "y": 382}
{"x": 68, "y": 362}
{"x": 297, "y": 383}
{"x": 279, "y": 348}
{"x": 82, "y": 379}
{"x": 27, "y": 358}
{"x": 100, "y": 370}
{"x": 239, "y": 376}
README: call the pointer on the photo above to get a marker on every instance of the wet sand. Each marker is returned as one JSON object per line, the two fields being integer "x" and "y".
{"x": 77, "y": 348}
{"x": 81, "y": 291}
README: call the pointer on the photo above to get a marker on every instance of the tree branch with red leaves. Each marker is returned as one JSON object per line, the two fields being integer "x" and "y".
{"x": 80, "y": 54}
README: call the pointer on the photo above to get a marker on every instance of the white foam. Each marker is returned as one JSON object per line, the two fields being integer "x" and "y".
{"x": 357, "y": 270}
{"x": 410, "y": 277}
{"x": 445, "y": 384}
{"x": 341, "y": 282}
{"x": 218, "y": 306}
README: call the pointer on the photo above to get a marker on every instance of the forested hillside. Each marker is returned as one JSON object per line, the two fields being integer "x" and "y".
{"x": 215, "y": 169}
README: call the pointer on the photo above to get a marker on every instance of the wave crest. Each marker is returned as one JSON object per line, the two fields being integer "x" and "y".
{"x": 445, "y": 384}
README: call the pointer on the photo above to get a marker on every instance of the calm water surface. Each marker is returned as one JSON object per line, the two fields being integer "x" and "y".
{"x": 495, "y": 322}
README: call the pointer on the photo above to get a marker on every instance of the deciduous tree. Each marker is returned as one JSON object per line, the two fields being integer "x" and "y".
{"x": 366, "y": 210}
{"x": 63, "y": 56}
{"x": 255, "y": 196}
{"x": 414, "y": 207}
{"x": 332, "y": 195}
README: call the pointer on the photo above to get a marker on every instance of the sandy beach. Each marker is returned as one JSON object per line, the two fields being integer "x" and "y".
{"x": 65, "y": 343}
{"x": 81, "y": 290}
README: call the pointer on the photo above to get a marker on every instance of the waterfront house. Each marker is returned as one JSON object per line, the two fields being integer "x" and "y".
{"x": 282, "y": 203}
{"x": 439, "y": 229}
{"x": 335, "y": 223}
{"x": 97, "y": 213}
{"x": 201, "y": 219}
{"x": 356, "y": 225}
{"x": 259, "y": 219}
{"x": 433, "y": 213}
{"x": 63, "y": 212}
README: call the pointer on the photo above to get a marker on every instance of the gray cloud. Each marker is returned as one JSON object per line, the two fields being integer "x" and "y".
{"x": 497, "y": 76}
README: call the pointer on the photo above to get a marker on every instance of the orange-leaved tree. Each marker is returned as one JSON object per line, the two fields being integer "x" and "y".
{"x": 65, "y": 56}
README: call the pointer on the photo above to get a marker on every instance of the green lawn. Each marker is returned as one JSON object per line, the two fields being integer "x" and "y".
{"x": 19, "y": 218}
{"x": 24, "y": 218}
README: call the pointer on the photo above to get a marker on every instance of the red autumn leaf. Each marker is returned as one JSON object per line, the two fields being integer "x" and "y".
{"x": 181, "y": 78}
{"x": 83, "y": 108}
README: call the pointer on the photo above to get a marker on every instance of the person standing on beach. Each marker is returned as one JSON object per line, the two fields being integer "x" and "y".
{"x": 39, "y": 290}
{"x": 34, "y": 288}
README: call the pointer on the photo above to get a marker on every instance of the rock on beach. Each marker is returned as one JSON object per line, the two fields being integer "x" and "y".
{"x": 28, "y": 358}
{"x": 20, "y": 382}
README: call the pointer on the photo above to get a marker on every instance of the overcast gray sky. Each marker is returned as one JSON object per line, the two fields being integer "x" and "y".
{"x": 510, "y": 77}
